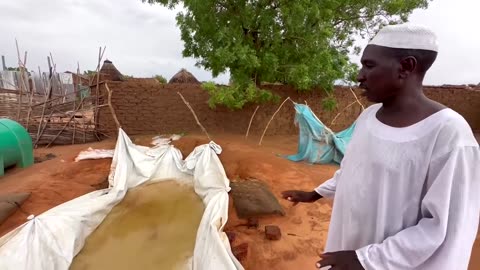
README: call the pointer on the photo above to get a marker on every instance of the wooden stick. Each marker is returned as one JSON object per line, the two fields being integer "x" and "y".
{"x": 336, "y": 116}
{"x": 75, "y": 101}
{"x": 20, "y": 96}
{"x": 97, "y": 92}
{"x": 50, "y": 76}
{"x": 18, "y": 52}
{"x": 27, "y": 87}
{"x": 194, "y": 115}
{"x": 60, "y": 83}
{"x": 29, "y": 111}
{"x": 83, "y": 115}
{"x": 251, "y": 120}
{"x": 25, "y": 59}
{"x": 40, "y": 134}
{"x": 275, "y": 113}
{"x": 356, "y": 98}
{"x": 66, "y": 124}
{"x": 112, "y": 110}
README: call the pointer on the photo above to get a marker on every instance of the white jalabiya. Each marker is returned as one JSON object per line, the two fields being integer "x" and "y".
{"x": 407, "y": 198}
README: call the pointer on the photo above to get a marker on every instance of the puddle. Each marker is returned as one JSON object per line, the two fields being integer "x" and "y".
{"x": 153, "y": 227}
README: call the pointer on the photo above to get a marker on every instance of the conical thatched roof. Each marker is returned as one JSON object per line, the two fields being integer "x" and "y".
{"x": 110, "y": 72}
{"x": 183, "y": 76}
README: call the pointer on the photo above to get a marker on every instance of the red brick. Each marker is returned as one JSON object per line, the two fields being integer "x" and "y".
{"x": 273, "y": 232}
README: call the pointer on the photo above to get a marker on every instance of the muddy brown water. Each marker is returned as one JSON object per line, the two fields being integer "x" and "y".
{"x": 153, "y": 227}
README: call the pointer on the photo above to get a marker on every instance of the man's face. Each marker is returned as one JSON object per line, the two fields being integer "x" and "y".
{"x": 379, "y": 75}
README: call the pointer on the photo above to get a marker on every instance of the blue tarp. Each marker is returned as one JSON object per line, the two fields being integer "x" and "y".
{"x": 317, "y": 143}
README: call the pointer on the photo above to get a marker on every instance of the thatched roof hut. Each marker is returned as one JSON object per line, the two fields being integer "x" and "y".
{"x": 110, "y": 72}
{"x": 183, "y": 76}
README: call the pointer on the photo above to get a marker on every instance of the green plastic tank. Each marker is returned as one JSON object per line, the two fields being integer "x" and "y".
{"x": 15, "y": 145}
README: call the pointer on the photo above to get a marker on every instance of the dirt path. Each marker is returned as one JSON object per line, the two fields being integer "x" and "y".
{"x": 304, "y": 228}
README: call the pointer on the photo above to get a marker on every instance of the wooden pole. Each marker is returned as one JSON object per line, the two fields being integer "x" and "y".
{"x": 29, "y": 91}
{"x": 40, "y": 134}
{"x": 60, "y": 83}
{"x": 50, "y": 76}
{"x": 194, "y": 115}
{"x": 66, "y": 124}
{"x": 265, "y": 131}
{"x": 75, "y": 102}
{"x": 356, "y": 98}
{"x": 336, "y": 116}
{"x": 112, "y": 110}
{"x": 251, "y": 120}
{"x": 97, "y": 92}
{"x": 20, "y": 90}
{"x": 48, "y": 94}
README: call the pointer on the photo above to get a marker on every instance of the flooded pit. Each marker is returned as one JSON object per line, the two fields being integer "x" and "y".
{"x": 153, "y": 227}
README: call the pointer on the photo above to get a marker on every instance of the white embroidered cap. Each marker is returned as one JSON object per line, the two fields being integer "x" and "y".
{"x": 406, "y": 36}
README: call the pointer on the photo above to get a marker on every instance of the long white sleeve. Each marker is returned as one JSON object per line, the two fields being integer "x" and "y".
{"x": 448, "y": 220}
{"x": 327, "y": 189}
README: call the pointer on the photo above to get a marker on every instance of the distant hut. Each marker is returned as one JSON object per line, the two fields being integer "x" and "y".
{"x": 110, "y": 72}
{"x": 183, "y": 76}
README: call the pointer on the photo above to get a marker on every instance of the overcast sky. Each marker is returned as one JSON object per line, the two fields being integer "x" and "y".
{"x": 143, "y": 40}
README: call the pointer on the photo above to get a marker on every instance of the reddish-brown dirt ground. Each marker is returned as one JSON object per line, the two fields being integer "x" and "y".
{"x": 304, "y": 227}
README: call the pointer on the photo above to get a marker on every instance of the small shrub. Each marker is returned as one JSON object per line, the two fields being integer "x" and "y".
{"x": 160, "y": 79}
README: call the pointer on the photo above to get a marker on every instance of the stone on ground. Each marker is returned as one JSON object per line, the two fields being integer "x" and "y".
{"x": 253, "y": 198}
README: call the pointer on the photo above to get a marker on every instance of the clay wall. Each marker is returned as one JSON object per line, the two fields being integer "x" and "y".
{"x": 144, "y": 106}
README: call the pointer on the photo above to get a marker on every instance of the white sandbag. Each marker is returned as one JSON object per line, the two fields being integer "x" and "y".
{"x": 162, "y": 140}
{"x": 51, "y": 240}
{"x": 91, "y": 153}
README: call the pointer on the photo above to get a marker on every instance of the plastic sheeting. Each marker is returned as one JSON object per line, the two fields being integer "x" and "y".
{"x": 8, "y": 80}
{"x": 51, "y": 240}
{"x": 91, "y": 153}
{"x": 317, "y": 143}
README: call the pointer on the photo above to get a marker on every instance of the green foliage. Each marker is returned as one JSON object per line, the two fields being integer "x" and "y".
{"x": 13, "y": 68}
{"x": 89, "y": 72}
{"x": 160, "y": 79}
{"x": 236, "y": 96}
{"x": 329, "y": 103}
{"x": 304, "y": 43}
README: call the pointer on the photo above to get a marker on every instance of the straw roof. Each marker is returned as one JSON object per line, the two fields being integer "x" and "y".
{"x": 110, "y": 72}
{"x": 183, "y": 76}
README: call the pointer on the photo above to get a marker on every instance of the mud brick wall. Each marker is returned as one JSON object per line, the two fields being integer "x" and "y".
{"x": 144, "y": 106}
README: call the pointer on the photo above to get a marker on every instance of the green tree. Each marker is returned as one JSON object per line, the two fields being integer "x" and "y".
{"x": 160, "y": 79}
{"x": 304, "y": 43}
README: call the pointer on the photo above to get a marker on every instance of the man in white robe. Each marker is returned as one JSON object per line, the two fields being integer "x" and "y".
{"x": 407, "y": 194}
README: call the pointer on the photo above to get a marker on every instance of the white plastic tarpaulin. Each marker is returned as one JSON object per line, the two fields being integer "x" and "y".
{"x": 51, "y": 240}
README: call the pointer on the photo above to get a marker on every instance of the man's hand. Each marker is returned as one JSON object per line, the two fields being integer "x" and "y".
{"x": 297, "y": 196}
{"x": 341, "y": 260}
